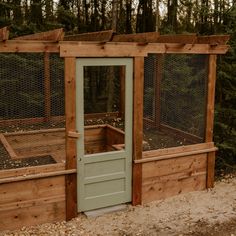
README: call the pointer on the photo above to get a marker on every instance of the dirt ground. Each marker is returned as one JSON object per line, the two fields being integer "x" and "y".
{"x": 210, "y": 212}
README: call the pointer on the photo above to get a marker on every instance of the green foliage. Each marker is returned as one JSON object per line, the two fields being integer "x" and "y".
{"x": 183, "y": 93}
{"x": 225, "y": 115}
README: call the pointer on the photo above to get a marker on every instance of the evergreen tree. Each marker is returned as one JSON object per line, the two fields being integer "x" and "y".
{"x": 225, "y": 117}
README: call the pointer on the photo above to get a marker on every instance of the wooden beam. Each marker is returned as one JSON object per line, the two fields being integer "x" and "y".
{"x": 31, "y": 170}
{"x": 213, "y": 39}
{"x": 71, "y": 154}
{"x": 102, "y": 36}
{"x": 174, "y": 155}
{"x": 210, "y": 118}
{"x": 37, "y": 176}
{"x": 138, "y": 128}
{"x": 7, "y": 147}
{"x": 181, "y": 149}
{"x": 52, "y": 35}
{"x": 30, "y": 46}
{"x": 210, "y": 169}
{"x": 4, "y": 34}
{"x": 129, "y": 49}
{"x": 210, "y": 98}
{"x": 149, "y": 37}
{"x": 47, "y": 87}
{"x": 177, "y": 38}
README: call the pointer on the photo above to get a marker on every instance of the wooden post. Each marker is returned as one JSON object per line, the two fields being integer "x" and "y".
{"x": 138, "y": 129}
{"x": 47, "y": 90}
{"x": 71, "y": 179}
{"x": 210, "y": 118}
{"x": 157, "y": 84}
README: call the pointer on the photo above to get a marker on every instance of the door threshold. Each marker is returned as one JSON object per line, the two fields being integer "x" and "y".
{"x": 105, "y": 210}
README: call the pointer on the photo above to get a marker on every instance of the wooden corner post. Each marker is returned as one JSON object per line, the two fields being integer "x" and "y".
{"x": 137, "y": 129}
{"x": 210, "y": 119}
{"x": 71, "y": 179}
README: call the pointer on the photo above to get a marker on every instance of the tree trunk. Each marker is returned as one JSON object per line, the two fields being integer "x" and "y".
{"x": 36, "y": 13}
{"x": 157, "y": 17}
{"x": 128, "y": 29}
{"x": 17, "y": 14}
{"x": 49, "y": 10}
{"x": 114, "y": 15}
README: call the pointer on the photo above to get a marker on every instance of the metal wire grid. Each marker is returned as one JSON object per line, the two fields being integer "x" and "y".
{"x": 21, "y": 85}
{"x": 22, "y": 88}
{"x": 177, "y": 101}
{"x": 183, "y": 93}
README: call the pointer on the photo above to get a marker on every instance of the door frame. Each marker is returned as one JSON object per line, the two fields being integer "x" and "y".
{"x": 128, "y": 63}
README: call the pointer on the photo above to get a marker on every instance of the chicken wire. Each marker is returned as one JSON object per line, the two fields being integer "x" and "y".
{"x": 31, "y": 99}
{"x": 22, "y": 86}
{"x": 175, "y": 93}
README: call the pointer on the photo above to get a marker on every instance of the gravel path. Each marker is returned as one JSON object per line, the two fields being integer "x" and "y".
{"x": 211, "y": 212}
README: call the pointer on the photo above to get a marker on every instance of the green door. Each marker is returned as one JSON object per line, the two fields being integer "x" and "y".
{"x": 104, "y": 121}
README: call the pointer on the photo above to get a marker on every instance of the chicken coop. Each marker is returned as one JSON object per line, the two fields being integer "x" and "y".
{"x": 99, "y": 119}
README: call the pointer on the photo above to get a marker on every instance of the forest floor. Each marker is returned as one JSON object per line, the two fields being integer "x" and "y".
{"x": 209, "y": 212}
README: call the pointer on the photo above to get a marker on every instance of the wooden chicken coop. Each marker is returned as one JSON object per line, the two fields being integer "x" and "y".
{"x": 98, "y": 119}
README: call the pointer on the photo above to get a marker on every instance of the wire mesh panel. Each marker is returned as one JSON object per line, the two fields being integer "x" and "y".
{"x": 31, "y": 109}
{"x": 174, "y": 100}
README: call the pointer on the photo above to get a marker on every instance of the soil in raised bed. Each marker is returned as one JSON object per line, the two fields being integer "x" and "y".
{"x": 155, "y": 139}
{"x": 7, "y": 163}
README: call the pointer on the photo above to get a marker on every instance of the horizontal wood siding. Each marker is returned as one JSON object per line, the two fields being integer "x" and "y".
{"x": 166, "y": 178}
{"x": 31, "y": 202}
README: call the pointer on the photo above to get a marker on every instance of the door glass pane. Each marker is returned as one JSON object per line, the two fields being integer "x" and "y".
{"x": 104, "y": 98}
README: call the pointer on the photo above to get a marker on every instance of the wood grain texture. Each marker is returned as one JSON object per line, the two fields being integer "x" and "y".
{"x": 165, "y": 178}
{"x": 210, "y": 169}
{"x": 25, "y": 171}
{"x": 178, "y": 150}
{"x": 210, "y": 98}
{"x": 4, "y": 34}
{"x": 102, "y": 36}
{"x": 148, "y": 37}
{"x": 52, "y": 35}
{"x": 130, "y": 49}
{"x": 31, "y": 202}
{"x": 137, "y": 128}
{"x": 71, "y": 154}
{"x": 37, "y": 212}
{"x": 28, "y": 46}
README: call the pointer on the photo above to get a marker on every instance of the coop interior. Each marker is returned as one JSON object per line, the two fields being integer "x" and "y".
{"x": 32, "y": 109}
{"x": 32, "y": 106}
{"x": 175, "y": 95}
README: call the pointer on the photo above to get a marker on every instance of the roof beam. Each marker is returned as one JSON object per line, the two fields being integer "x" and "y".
{"x": 129, "y": 49}
{"x": 4, "y": 34}
{"x": 177, "y": 38}
{"x": 28, "y": 46}
{"x": 149, "y": 37}
{"x": 102, "y": 36}
{"x": 52, "y": 35}
{"x": 213, "y": 39}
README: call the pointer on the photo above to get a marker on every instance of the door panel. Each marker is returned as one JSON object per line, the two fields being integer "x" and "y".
{"x": 104, "y": 149}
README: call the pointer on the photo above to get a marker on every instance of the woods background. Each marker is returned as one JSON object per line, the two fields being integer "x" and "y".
{"x": 203, "y": 17}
